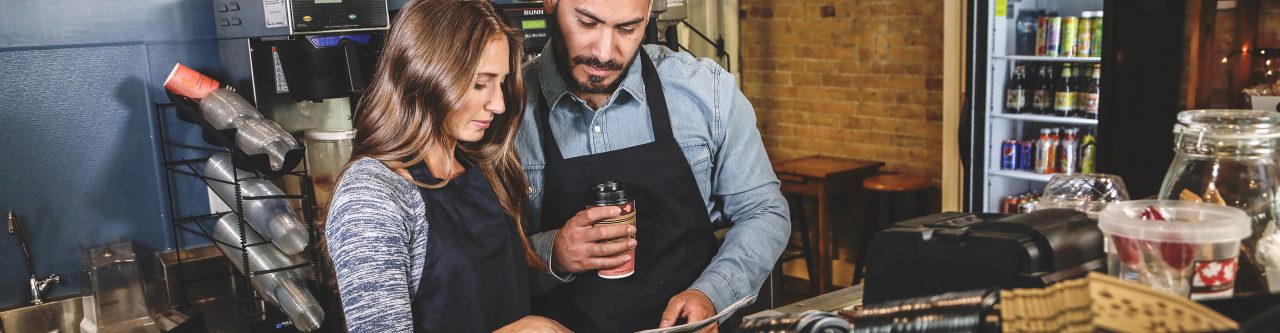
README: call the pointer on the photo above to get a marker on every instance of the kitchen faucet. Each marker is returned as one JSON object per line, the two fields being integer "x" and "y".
{"x": 38, "y": 285}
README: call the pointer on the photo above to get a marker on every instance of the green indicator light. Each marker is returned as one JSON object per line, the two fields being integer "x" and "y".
{"x": 533, "y": 24}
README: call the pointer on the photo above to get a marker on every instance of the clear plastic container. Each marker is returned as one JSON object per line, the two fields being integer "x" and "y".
{"x": 328, "y": 151}
{"x": 261, "y": 136}
{"x": 272, "y": 217}
{"x": 285, "y": 289}
{"x": 1088, "y": 193}
{"x": 1228, "y": 157}
{"x": 1187, "y": 248}
{"x": 224, "y": 108}
{"x": 114, "y": 299}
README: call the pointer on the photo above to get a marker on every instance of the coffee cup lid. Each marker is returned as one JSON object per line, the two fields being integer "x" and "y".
{"x": 608, "y": 193}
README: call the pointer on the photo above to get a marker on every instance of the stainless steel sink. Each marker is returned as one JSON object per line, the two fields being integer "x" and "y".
{"x": 56, "y": 316}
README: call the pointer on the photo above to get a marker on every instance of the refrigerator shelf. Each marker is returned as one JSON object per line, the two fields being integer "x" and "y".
{"x": 1050, "y": 59}
{"x": 1046, "y": 119}
{"x": 1024, "y": 175}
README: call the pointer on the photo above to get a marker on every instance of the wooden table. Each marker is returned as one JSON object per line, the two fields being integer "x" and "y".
{"x": 830, "y": 180}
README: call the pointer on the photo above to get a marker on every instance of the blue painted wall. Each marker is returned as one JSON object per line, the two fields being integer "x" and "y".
{"x": 80, "y": 159}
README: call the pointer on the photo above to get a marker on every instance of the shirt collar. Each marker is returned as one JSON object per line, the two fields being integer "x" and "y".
{"x": 554, "y": 88}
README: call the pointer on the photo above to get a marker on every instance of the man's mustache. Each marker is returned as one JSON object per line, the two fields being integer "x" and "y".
{"x": 595, "y": 62}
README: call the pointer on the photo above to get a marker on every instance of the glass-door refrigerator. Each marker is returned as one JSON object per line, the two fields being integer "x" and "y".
{"x": 1067, "y": 86}
{"x": 1039, "y": 100}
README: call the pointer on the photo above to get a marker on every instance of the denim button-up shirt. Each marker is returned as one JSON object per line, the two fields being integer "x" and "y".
{"x": 715, "y": 127}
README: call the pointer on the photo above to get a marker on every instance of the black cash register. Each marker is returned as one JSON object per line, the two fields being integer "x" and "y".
{"x": 949, "y": 252}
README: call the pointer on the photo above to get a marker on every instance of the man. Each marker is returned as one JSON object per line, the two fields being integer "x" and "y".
{"x": 602, "y": 108}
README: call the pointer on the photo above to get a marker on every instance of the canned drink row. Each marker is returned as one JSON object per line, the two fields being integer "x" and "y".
{"x": 1019, "y": 203}
{"x": 1045, "y": 33}
{"x": 1056, "y": 150}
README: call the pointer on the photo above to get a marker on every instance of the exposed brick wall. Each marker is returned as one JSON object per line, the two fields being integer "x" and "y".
{"x": 859, "y": 79}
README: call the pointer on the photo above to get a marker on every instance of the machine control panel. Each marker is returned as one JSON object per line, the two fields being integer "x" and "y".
{"x": 338, "y": 15}
{"x": 530, "y": 18}
{"x": 270, "y": 18}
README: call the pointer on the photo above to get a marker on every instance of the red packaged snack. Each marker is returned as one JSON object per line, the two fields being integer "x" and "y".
{"x": 1177, "y": 255}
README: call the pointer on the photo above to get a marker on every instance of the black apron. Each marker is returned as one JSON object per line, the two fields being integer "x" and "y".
{"x": 674, "y": 233}
{"x": 474, "y": 277}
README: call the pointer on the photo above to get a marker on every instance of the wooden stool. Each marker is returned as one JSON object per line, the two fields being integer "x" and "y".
{"x": 891, "y": 186}
{"x": 830, "y": 180}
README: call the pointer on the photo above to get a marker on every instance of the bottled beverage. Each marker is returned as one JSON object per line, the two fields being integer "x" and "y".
{"x": 1081, "y": 74}
{"x": 1017, "y": 90}
{"x": 1064, "y": 93}
{"x": 1067, "y": 153}
{"x": 1026, "y": 33}
{"x": 1088, "y": 152}
{"x": 1044, "y": 151}
{"x": 1091, "y": 92}
{"x": 1055, "y": 138}
{"x": 1084, "y": 39}
{"x": 1042, "y": 95}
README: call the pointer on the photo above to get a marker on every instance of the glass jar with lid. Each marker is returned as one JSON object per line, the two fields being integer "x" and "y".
{"x": 328, "y": 151}
{"x": 1228, "y": 157}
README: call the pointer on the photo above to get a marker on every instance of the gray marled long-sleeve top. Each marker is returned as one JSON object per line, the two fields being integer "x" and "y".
{"x": 377, "y": 236}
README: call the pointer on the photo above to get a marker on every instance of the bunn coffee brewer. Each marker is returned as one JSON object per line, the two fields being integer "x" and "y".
{"x": 303, "y": 63}
{"x": 532, "y": 20}
{"x": 949, "y": 252}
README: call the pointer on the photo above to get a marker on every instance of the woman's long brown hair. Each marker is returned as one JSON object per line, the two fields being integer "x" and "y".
{"x": 428, "y": 64}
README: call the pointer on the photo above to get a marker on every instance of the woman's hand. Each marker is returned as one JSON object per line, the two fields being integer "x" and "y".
{"x": 533, "y": 324}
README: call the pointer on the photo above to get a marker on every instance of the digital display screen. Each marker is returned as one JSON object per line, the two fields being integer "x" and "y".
{"x": 533, "y": 24}
{"x": 328, "y": 1}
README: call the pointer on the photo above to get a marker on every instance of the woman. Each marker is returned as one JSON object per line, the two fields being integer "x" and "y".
{"x": 425, "y": 228}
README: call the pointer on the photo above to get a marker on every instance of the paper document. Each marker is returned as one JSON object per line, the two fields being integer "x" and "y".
{"x": 701, "y": 324}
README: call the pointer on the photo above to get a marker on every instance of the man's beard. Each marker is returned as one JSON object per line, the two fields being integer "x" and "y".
{"x": 594, "y": 84}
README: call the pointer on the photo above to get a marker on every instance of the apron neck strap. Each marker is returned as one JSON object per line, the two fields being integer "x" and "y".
{"x": 656, "y": 100}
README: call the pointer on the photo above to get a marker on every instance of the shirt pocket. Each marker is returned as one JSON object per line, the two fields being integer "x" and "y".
{"x": 533, "y": 176}
{"x": 698, "y": 153}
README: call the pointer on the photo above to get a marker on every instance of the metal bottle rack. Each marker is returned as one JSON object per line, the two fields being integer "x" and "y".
{"x": 224, "y": 142}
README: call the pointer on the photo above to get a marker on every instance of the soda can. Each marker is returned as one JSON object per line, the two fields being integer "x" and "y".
{"x": 1097, "y": 35}
{"x": 1009, "y": 204}
{"x": 1042, "y": 27}
{"x": 1084, "y": 41}
{"x": 1026, "y": 155}
{"x": 1052, "y": 36}
{"x": 1070, "y": 27}
{"x": 1009, "y": 155}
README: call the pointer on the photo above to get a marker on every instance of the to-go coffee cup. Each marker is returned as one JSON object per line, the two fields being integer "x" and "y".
{"x": 616, "y": 194}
